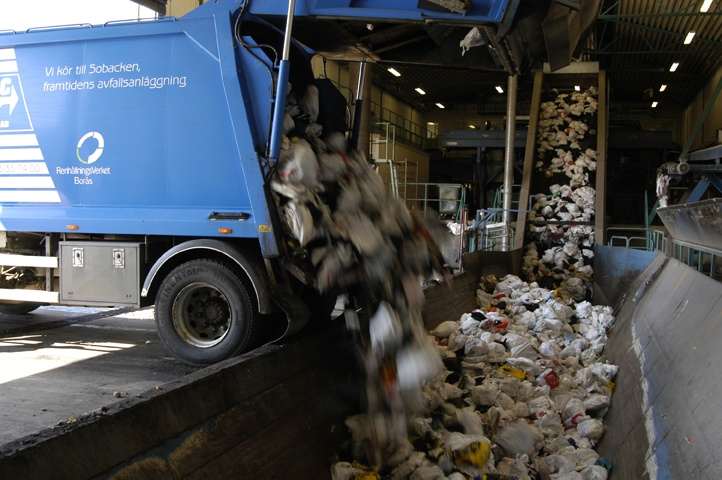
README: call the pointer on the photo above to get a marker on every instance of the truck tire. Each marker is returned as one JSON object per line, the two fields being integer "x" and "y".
{"x": 21, "y": 308}
{"x": 204, "y": 313}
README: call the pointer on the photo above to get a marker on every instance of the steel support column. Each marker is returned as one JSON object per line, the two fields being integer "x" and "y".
{"x": 602, "y": 142}
{"x": 509, "y": 154}
{"x": 529, "y": 157}
{"x": 632, "y": 16}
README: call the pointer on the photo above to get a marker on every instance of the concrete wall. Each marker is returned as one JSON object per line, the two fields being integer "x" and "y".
{"x": 417, "y": 161}
{"x": 461, "y": 117}
{"x": 393, "y": 104}
{"x": 178, "y": 8}
{"x": 416, "y": 170}
{"x": 337, "y": 72}
{"x": 341, "y": 74}
{"x": 694, "y": 111}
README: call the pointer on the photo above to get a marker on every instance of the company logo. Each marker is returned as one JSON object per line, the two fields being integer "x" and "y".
{"x": 8, "y": 95}
{"x": 24, "y": 175}
{"x": 90, "y": 148}
{"x": 13, "y": 114}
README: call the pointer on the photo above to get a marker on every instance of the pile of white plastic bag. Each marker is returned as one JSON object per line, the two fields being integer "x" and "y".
{"x": 560, "y": 233}
{"x": 522, "y": 396}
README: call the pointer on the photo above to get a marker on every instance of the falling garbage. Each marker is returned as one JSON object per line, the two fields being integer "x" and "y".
{"x": 361, "y": 242}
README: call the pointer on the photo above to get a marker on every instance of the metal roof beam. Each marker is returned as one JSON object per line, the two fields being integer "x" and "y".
{"x": 573, "y": 4}
{"x": 611, "y": 8}
{"x": 629, "y": 16}
{"x": 394, "y": 46}
{"x": 663, "y": 31}
{"x": 638, "y": 52}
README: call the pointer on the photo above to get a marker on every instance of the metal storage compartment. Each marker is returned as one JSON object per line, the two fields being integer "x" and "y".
{"x": 100, "y": 273}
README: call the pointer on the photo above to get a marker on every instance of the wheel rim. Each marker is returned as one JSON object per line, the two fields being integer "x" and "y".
{"x": 201, "y": 315}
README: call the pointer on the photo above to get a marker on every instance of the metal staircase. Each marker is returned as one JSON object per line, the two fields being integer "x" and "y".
{"x": 383, "y": 151}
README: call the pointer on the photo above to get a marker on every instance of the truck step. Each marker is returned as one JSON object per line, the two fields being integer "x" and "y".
{"x": 35, "y": 296}
{"x": 11, "y": 260}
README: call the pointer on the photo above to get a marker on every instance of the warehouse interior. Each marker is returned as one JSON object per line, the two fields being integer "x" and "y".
{"x": 558, "y": 167}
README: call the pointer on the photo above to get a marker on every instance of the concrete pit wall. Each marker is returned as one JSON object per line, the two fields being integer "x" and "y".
{"x": 273, "y": 413}
{"x": 665, "y": 421}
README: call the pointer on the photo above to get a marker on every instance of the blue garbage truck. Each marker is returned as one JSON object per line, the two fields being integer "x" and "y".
{"x": 135, "y": 160}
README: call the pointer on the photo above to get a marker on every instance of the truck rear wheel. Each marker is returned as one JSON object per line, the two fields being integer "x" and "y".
{"x": 204, "y": 313}
{"x": 20, "y": 308}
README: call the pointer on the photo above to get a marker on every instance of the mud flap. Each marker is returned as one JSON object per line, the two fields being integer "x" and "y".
{"x": 296, "y": 312}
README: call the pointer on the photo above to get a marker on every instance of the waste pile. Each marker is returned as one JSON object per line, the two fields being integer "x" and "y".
{"x": 522, "y": 395}
{"x": 360, "y": 242}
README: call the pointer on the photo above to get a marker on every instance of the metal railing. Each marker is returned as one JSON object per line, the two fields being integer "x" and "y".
{"x": 489, "y": 234}
{"x": 635, "y": 243}
{"x": 447, "y": 199}
{"x": 498, "y": 201}
{"x": 406, "y": 130}
{"x": 383, "y": 150}
{"x": 640, "y": 241}
{"x": 704, "y": 259}
{"x": 657, "y": 241}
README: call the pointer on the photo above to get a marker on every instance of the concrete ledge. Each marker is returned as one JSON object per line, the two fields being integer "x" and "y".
{"x": 257, "y": 401}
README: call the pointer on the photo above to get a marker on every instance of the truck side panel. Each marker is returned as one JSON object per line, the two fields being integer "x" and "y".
{"x": 129, "y": 129}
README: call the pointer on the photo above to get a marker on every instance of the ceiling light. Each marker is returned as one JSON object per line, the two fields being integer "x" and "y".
{"x": 420, "y": 91}
{"x": 688, "y": 39}
{"x": 440, "y": 105}
{"x": 654, "y": 104}
{"x": 394, "y": 72}
{"x": 499, "y": 89}
{"x": 674, "y": 67}
{"x": 663, "y": 87}
{"x": 471, "y": 126}
{"x": 705, "y": 6}
{"x": 431, "y": 124}
{"x": 577, "y": 88}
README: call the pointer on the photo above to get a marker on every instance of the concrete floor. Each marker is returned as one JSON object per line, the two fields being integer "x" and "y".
{"x": 62, "y": 362}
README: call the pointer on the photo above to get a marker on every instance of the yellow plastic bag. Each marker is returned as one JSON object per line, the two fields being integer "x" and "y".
{"x": 514, "y": 372}
{"x": 476, "y": 454}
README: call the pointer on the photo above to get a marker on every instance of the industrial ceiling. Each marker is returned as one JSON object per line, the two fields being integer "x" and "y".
{"x": 636, "y": 41}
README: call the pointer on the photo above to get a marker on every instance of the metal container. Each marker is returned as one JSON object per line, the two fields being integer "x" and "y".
{"x": 100, "y": 273}
{"x": 699, "y": 222}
